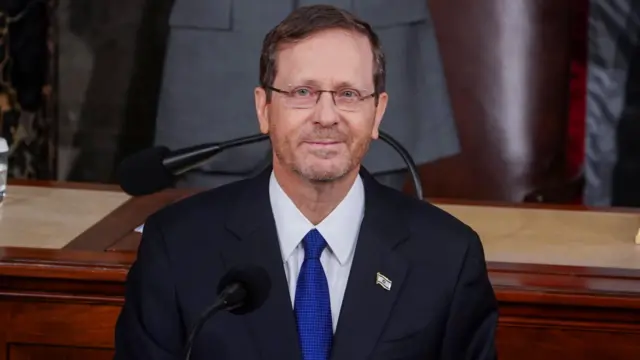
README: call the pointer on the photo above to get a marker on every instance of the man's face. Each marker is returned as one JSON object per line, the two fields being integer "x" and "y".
{"x": 323, "y": 140}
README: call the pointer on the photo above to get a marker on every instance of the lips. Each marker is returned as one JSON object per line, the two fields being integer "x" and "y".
{"x": 323, "y": 145}
{"x": 323, "y": 142}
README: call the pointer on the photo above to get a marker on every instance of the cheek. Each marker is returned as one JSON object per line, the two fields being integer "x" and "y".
{"x": 285, "y": 129}
{"x": 360, "y": 130}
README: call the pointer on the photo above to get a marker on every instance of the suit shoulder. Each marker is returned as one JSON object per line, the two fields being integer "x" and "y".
{"x": 437, "y": 239}
{"x": 426, "y": 217}
{"x": 210, "y": 203}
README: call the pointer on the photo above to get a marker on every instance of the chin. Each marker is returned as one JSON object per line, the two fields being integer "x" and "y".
{"x": 322, "y": 173}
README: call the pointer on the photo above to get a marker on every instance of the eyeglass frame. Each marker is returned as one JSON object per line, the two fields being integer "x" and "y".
{"x": 320, "y": 91}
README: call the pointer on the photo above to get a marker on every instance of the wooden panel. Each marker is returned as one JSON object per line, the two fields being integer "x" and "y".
{"x": 59, "y": 304}
{"x": 38, "y": 352}
{"x": 5, "y": 318}
{"x": 524, "y": 342}
{"x": 124, "y": 220}
{"x": 64, "y": 324}
{"x": 128, "y": 243}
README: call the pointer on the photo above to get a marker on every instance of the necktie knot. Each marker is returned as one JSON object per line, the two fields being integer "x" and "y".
{"x": 313, "y": 244}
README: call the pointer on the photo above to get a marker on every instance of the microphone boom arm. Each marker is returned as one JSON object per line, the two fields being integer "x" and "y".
{"x": 163, "y": 166}
{"x": 408, "y": 160}
{"x": 208, "y": 151}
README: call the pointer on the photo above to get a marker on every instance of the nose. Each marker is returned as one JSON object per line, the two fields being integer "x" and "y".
{"x": 327, "y": 113}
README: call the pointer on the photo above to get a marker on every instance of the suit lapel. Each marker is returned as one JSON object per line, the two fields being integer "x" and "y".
{"x": 366, "y": 305}
{"x": 273, "y": 326}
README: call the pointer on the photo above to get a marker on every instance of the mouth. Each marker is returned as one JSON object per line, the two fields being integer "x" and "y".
{"x": 322, "y": 142}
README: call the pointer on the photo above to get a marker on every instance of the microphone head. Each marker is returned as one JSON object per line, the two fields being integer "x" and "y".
{"x": 255, "y": 282}
{"x": 143, "y": 173}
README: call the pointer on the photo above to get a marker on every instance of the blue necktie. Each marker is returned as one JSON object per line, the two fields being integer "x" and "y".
{"x": 312, "y": 303}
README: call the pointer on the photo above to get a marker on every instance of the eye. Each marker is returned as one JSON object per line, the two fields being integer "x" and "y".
{"x": 349, "y": 93}
{"x": 302, "y": 92}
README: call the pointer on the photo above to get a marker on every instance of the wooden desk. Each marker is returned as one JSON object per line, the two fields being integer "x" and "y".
{"x": 47, "y": 217}
{"x": 568, "y": 280}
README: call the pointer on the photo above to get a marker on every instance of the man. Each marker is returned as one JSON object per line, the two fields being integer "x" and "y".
{"x": 358, "y": 270}
{"x": 209, "y": 66}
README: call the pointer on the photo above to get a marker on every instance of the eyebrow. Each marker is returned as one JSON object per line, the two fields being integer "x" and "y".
{"x": 315, "y": 83}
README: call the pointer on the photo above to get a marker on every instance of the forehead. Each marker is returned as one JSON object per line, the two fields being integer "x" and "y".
{"x": 328, "y": 57}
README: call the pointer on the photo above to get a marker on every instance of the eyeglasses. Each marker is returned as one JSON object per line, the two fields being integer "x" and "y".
{"x": 305, "y": 97}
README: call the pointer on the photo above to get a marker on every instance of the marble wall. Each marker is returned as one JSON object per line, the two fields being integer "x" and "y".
{"x": 28, "y": 87}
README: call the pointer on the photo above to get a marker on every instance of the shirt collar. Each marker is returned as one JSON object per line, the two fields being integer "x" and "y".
{"x": 340, "y": 229}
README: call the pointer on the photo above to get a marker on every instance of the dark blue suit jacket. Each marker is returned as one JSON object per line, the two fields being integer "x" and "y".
{"x": 440, "y": 306}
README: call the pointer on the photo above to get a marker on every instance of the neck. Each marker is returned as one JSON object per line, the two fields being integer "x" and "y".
{"x": 315, "y": 200}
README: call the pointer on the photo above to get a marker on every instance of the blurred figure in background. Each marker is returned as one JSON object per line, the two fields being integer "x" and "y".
{"x": 612, "y": 162}
{"x": 211, "y": 62}
{"x": 626, "y": 172}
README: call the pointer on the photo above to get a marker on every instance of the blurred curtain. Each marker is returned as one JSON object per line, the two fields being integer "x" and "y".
{"x": 578, "y": 88}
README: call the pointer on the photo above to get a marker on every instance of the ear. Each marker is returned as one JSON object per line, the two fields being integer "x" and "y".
{"x": 383, "y": 99}
{"x": 262, "y": 109}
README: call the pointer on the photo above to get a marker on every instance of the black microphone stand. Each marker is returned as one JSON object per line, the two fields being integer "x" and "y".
{"x": 206, "y": 314}
{"x": 229, "y": 299}
{"x": 408, "y": 160}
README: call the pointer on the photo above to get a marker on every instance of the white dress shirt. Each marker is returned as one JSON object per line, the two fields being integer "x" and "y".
{"x": 340, "y": 229}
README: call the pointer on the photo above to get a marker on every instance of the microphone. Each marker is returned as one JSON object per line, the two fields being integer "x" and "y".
{"x": 155, "y": 169}
{"x": 240, "y": 291}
